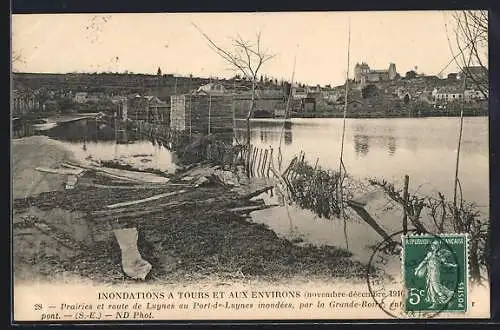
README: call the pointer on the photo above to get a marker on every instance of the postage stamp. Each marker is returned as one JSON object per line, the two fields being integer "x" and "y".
{"x": 435, "y": 273}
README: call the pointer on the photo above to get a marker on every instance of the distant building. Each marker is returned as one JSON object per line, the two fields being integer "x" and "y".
{"x": 81, "y": 97}
{"x": 447, "y": 95}
{"x": 214, "y": 89}
{"x": 198, "y": 113}
{"x": 474, "y": 95}
{"x": 363, "y": 74}
{"x": 360, "y": 70}
{"x": 475, "y": 73}
{"x": 148, "y": 108}
{"x": 298, "y": 93}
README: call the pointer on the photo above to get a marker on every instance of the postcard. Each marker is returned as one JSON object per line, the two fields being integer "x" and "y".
{"x": 250, "y": 166}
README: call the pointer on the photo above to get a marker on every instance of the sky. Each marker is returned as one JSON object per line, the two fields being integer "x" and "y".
{"x": 316, "y": 41}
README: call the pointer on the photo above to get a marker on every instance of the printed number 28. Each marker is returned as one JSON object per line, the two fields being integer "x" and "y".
{"x": 415, "y": 295}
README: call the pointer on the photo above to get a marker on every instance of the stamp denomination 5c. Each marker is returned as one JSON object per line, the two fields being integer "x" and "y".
{"x": 435, "y": 273}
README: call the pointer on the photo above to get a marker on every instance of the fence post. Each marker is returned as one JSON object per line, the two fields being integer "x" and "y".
{"x": 249, "y": 159}
{"x": 264, "y": 163}
{"x": 405, "y": 197}
{"x": 259, "y": 162}
{"x": 270, "y": 162}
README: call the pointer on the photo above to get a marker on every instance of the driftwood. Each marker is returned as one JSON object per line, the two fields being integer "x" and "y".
{"x": 123, "y": 214}
{"x": 121, "y": 178}
{"x": 256, "y": 193}
{"x": 96, "y": 185}
{"x": 152, "y": 198}
{"x": 246, "y": 209}
{"x": 360, "y": 210}
{"x": 60, "y": 171}
{"x": 71, "y": 166}
{"x": 158, "y": 207}
{"x": 102, "y": 172}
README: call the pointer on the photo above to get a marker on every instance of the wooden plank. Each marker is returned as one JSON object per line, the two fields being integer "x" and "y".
{"x": 59, "y": 171}
{"x": 96, "y": 185}
{"x": 127, "y": 213}
{"x": 145, "y": 200}
{"x": 106, "y": 172}
{"x": 71, "y": 166}
{"x": 251, "y": 208}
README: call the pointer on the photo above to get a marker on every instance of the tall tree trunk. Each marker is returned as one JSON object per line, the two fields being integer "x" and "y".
{"x": 250, "y": 111}
{"x": 249, "y": 115}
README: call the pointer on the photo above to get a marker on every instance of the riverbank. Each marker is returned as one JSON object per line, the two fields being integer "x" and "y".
{"x": 376, "y": 115}
{"x": 200, "y": 233}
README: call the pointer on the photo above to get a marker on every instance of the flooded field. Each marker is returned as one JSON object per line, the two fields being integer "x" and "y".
{"x": 425, "y": 149}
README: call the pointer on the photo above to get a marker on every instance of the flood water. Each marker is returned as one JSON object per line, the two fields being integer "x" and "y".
{"x": 424, "y": 148}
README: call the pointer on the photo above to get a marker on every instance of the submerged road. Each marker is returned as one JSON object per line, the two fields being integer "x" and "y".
{"x": 36, "y": 151}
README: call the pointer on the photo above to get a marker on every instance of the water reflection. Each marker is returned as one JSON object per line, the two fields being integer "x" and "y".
{"x": 288, "y": 137}
{"x": 375, "y": 147}
{"x": 82, "y": 130}
{"x": 269, "y": 132}
{"x": 361, "y": 144}
{"x": 391, "y": 145}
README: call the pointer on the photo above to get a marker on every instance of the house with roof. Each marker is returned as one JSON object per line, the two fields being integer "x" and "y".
{"x": 214, "y": 89}
{"x": 475, "y": 73}
{"x": 447, "y": 94}
{"x": 475, "y": 95}
{"x": 148, "y": 108}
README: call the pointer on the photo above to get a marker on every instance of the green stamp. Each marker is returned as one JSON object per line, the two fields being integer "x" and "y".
{"x": 435, "y": 273}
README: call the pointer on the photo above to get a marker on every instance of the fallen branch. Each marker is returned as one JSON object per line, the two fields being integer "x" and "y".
{"x": 152, "y": 198}
{"x": 60, "y": 171}
{"x": 256, "y": 192}
{"x": 104, "y": 172}
{"x": 124, "y": 212}
{"x": 96, "y": 185}
{"x": 363, "y": 214}
{"x": 246, "y": 209}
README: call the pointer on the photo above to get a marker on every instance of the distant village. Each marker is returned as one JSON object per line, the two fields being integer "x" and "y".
{"x": 162, "y": 97}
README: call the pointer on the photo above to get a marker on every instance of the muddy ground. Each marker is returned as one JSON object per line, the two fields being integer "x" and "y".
{"x": 195, "y": 239}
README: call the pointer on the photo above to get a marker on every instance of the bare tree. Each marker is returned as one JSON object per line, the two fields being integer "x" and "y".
{"x": 248, "y": 58}
{"x": 17, "y": 58}
{"x": 471, "y": 38}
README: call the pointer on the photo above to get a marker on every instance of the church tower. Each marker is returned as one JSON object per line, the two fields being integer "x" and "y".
{"x": 392, "y": 71}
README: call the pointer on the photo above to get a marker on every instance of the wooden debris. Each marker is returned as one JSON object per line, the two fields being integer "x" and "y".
{"x": 152, "y": 198}
{"x": 363, "y": 214}
{"x": 251, "y": 208}
{"x": 60, "y": 171}
{"x": 256, "y": 192}
{"x": 136, "y": 186}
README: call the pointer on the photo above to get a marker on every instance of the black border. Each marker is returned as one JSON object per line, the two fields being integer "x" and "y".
{"x": 115, "y": 6}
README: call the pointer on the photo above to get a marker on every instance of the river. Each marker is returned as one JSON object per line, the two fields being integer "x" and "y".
{"x": 423, "y": 148}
